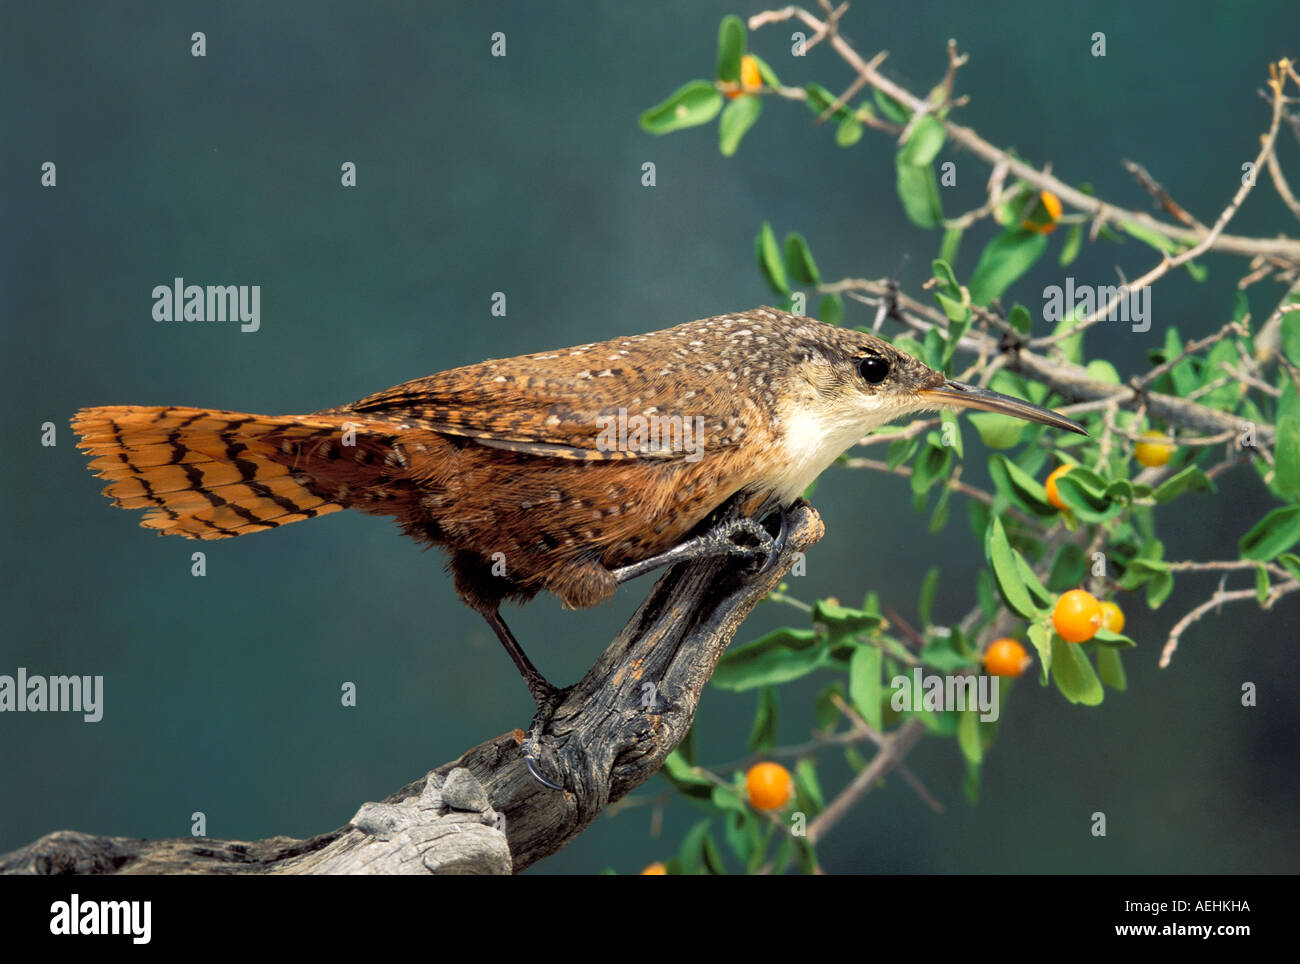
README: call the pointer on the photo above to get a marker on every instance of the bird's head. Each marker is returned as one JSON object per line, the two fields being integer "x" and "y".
{"x": 845, "y": 383}
{"x": 865, "y": 380}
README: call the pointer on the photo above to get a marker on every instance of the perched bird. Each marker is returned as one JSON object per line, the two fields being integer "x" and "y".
{"x": 568, "y": 471}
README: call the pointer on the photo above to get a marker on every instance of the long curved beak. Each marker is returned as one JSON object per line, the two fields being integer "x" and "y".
{"x": 961, "y": 395}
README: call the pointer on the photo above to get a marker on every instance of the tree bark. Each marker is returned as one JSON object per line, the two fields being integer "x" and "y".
{"x": 483, "y": 813}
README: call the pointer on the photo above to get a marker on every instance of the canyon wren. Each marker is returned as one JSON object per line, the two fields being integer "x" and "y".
{"x": 568, "y": 471}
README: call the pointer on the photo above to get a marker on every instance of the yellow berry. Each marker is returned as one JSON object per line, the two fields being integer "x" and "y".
{"x": 1154, "y": 453}
{"x": 1112, "y": 617}
{"x": 655, "y": 869}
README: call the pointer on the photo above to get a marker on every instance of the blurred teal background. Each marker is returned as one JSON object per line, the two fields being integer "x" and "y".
{"x": 522, "y": 174}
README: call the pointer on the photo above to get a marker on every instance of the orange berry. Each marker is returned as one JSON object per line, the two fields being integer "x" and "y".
{"x": 1077, "y": 616}
{"x": 1053, "y": 494}
{"x": 655, "y": 869}
{"x": 1042, "y": 213}
{"x": 769, "y": 786}
{"x": 1052, "y": 203}
{"x": 1154, "y": 453}
{"x": 751, "y": 79}
{"x": 1005, "y": 657}
{"x": 1112, "y": 617}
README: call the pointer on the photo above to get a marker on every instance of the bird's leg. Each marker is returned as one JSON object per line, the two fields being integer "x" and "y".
{"x": 545, "y": 696}
{"x": 717, "y": 541}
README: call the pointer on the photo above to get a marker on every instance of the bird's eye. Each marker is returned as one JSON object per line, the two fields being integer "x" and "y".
{"x": 874, "y": 369}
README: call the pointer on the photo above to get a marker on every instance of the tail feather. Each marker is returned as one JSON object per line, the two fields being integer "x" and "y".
{"x": 206, "y": 474}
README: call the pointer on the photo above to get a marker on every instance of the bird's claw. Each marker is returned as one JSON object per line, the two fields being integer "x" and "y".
{"x": 546, "y": 705}
{"x": 723, "y": 538}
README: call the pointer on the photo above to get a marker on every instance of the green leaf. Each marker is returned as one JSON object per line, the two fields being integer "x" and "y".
{"x": 693, "y": 104}
{"x": 1020, "y": 319}
{"x": 952, "y": 428}
{"x": 737, "y": 118}
{"x": 928, "y": 586}
{"x": 892, "y": 109}
{"x": 930, "y": 467}
{"x": 1074, "y": 675}
{"x": 864, "y": 684}
{"x": 997, "y": 431}
{"x": 1019, "y": 486}
{"x": 687, "y": 780}
{"x": 1069, "y": 568}
{"x": 1225, "y": 396}
{"x": 1159, "y": 588}
{"x": 738, "y": 828}
{"x": 968, "y": 736}
{"x": 731, "y": 48}
{"x": 949, "y": 246}
{"x": 924, "y": 143}
{"x": 943, "y": 273}
{"x": 1002, "y": 558}
{"x": 1090, "y": 503}
{"x": 1073, "y": 241}
{"x": 970, "y": 784}
{"x": 1004, "y": 259}
{"x": 900, "y": 451}
{"x": 1044, "y": 599}
{"x": 1148, "y": 236}
{"x": 819, "y": 99}
{"x": 699, "y": 854}
{"x": 769, "y": 76}
{"x": 1111, "y": 669}
{"x": 1190, "y": 478}
{"x": 805, "y": 780}
{"x": 1290, "y": 563}
{"x": 940, "y": 652}
{"x": 725, "y": 798}
{"x": 1261, "y": 584}
{"x": 1106, "y": 639}
{"x": 1182, "y": 377}
{"x": 1041, "y": 638}
{"x": 1286, "y": 454}
{"x": 1291, "y": 335}
{"x": 1100, "y": 370}
{"x": 778, "y": 657}
{"x": 799, "y": 260}
{"x": 849, "y": 132}
{"x": 770, "y": 261}
{"x": 1272, "y": 535}
{"x": 831, "y": 309}
{"x": 841, "y": 621}
{"x": 763, "y": 733}
{"x": 919, "y": 192}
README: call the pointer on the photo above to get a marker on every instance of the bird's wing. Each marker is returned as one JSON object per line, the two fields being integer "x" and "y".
{"x": 619, "y": 399}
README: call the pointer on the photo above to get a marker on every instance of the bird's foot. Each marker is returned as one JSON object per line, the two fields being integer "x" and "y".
{"x": 750, "y": 538}
{"x": 548, "y": 700}
{"x": 731, "y": 535}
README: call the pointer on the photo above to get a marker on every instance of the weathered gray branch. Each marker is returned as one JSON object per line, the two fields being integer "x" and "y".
{"x": 610, "y": 735}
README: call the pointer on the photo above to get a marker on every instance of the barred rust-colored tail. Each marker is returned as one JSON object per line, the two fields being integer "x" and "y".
{"x": 206, "y": 474}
